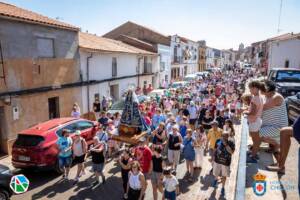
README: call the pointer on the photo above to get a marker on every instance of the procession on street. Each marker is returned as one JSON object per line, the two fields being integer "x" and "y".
{"x": 110, "y": 108}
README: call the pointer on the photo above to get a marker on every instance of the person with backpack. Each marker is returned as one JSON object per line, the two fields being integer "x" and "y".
{"x": 79, "y": 148}
{"x": 224, "y": 149}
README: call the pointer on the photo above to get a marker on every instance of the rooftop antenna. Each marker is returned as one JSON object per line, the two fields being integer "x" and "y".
{"x": 279, "y": 18}
{"x": 59, "y": 18}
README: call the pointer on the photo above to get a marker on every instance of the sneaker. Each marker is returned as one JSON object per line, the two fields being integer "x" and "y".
{"x": 215, "y": 183}
{"x": 95, "y": 183}
{"x": 75, "y": 181}
{"x": 223, "y": 192}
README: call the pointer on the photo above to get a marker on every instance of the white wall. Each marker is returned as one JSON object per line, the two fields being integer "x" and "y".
{"x": 100, "y": 66}
{"x": 209, "y": 57}
{"x": 165, "y": 57}
{"x": 191, "y": 63}
{"x": 281, "y": 51}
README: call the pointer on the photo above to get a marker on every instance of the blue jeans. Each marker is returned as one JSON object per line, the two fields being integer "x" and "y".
{"x": 65, "y": 161}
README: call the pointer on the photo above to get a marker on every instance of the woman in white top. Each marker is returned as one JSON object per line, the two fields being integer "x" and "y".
{"x": 200, "y": 141}
{"x": 79, "y": 148}
{"x": 136, "y": 186}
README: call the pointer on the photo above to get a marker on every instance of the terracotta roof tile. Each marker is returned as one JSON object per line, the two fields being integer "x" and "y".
{"x": 97, "y": 43}
{"x": 20, "y": 14}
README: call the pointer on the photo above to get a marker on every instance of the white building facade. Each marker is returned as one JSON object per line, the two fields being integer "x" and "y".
{"x": 184, "y": 55}
{"x": 111, "y": 72}
{"x": 210, "y": 56}
{"x": 285, "y": 53}
{"x": 164, "y": 53}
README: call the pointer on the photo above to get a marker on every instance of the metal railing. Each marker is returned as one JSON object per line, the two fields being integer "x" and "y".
{"x": 177, "y": 59}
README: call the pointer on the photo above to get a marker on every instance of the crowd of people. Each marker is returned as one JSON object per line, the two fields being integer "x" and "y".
{"x": 186, "y": 123}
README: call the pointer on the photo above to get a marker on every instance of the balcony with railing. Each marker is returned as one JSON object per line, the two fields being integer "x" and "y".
{"x": 177, "y": 59}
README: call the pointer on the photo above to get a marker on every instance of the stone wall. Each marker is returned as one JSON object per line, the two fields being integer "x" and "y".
{"x": 34, "y": 109}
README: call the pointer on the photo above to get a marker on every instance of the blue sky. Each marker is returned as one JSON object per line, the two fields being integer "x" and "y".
{"x": 222, "y": 23}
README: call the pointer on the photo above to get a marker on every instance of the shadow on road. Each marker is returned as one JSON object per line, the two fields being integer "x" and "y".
{"x": 184, "y": 184}
{"x": 106, "y": 190}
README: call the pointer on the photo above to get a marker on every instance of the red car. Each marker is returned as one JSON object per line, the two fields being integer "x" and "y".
{"x": 36, "y": 146}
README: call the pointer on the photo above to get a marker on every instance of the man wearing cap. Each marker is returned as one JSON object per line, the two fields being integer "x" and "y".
{"x": 224, "y": 148}
{"x": 64, "y": 144}
{"x": 213, "y": 135}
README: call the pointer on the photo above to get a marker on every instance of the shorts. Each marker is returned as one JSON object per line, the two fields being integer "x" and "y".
{"x": 98, "y": 167}
{"x": 147, "y": 175}
{"x": 221, "y": 170}
{"x": 156, "y": 178}
{"x": 78, "y": 159}
{"x": 64, "y": 161}
{"x": 255, "y": 126}
{"x": 174, "y": 156}
{"x": 170, "y": 195}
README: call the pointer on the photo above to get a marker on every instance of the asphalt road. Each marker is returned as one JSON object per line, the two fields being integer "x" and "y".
{"x": 49, "y": 185}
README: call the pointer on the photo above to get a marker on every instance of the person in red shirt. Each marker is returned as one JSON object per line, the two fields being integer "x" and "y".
{"x": 146, "y": 118}
{"x": 149, "y": 89}
{"x": 218, "y": 90}
{"x": 143, "y": 155}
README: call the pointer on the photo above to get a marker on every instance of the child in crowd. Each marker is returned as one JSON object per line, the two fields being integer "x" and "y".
{"x": 200, "y": 140}
{"x": 171, "y": 185}
{"x": 254, "y": 118}
{"x": 230, "y": 129}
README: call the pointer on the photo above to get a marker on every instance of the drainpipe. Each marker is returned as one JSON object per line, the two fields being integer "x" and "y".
{"x": 88, "y": 79}
{"x": 138, "y": 70}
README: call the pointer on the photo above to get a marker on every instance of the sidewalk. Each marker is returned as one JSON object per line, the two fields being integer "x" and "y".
{"x": 278, "y": 187}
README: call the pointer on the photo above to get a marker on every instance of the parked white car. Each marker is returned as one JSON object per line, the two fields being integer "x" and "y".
{"x": 178, "y": 84}
{"x": 190, "y": 77}
{"x": 158, "y": 92}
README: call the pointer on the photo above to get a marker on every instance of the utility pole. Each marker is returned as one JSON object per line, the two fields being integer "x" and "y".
{"x": 279, "y": 18}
